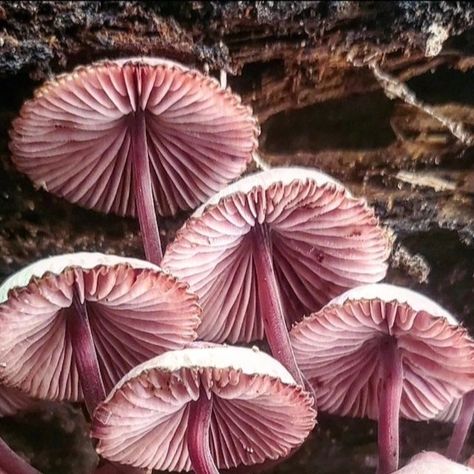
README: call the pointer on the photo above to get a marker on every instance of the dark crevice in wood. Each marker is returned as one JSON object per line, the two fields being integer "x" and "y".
{"x": 444, "y": 85}
{"x": 335, "y": 124}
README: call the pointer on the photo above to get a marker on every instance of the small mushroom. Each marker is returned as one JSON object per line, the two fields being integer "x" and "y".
{"x": 203, "y": 409}
{"x": 381, "y": 351}
{"x": 118, "y": 136}
{"x": 272, "y": 247}
{"x": 72, "y": 325}
{"x": 433, "y": 463}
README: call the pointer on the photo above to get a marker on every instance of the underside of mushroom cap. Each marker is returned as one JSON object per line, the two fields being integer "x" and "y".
{"x": 74, "y": 137}
{"x": 388, "y": 293}
{"x": 58, "y": 263}
{"x": 135, "y": 312}
{"x": 258, "y": 411}
{"x": 323, "y": 241}
{"x": 12, "y": 401}
{"x": 339, "y": 351}
{"x": 266, "y": 179}
{"x": 451, "y": 414}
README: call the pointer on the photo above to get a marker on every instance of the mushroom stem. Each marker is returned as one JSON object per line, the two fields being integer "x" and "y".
{"x": 198, "y": 435}
{"x": 389, "y": 408}
{"x": 11, "y": 463}
{"x": 142, "y": 186}
{"x": 79, "y": 330}
{"x": 274, "y": 321}
{"x": 462, "y": 427}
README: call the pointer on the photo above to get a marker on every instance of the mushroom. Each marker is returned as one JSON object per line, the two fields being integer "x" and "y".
{"x": 381, "y": 351}
{"x": 433, "y": 463}
{"x": 203, "y": 409}
{"x": 117, "y": 136}
{"x": 461, "y": 412}
{"x": 72, "y": 325}
{"x": 271, "y": 247}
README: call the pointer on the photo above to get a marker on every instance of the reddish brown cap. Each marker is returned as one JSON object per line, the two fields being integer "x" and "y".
{"x": 338, "y": 349}
{"x": 136, "y": 311}
{"x": 323, "y": 241}
{"x": 74, "y": 137}
{"x": 258, "y": 411}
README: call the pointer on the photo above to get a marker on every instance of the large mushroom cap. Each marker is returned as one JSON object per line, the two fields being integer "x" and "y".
{"x": 258, "y": 412}
{"x": 323, "y": 241}
{"x": 74, "y": 137}
{"x": 339, "y": 350}
{"x": 136, "y": 311}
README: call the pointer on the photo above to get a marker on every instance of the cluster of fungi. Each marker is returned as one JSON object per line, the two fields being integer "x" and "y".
{"x": 286, "y": 255}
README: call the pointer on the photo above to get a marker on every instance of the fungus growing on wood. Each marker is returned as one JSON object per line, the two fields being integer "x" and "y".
{"x": 203, "y": 409}
{"x": 381, "y": 351}
{"x": 121, "y": 136}
{"x": 272, "y": 247}
{"x": 72, "y": 325}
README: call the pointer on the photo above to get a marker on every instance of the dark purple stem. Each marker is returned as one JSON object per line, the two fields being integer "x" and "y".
{"x": 11, "y": 463}
{"x": 142, "y": 186}
{"x": 462, "y": 427}
{"x": 198, "y": 435}
{"x": 389, "y": 408}
{"x": 274, "y": 321}
{"x": 79, "y": 330}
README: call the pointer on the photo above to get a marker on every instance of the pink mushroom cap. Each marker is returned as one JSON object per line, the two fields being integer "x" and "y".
{"x": 451, "y": 413}
{"x": 323, "y": 241}
{"x": 338, "y": 349}
{"x": 74, "y": 137}
{"x": 433, "y": 463}
{"x": 258, "y": 411}
{"x": 136, "y": 311}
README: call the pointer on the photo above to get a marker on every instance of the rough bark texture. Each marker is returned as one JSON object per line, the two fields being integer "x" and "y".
{"x": 307, "y": 68}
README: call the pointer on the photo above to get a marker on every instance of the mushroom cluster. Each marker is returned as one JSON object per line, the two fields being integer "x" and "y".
{"x": 287, "y": 255}
{"x": 381, "y": 351}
